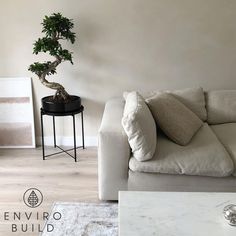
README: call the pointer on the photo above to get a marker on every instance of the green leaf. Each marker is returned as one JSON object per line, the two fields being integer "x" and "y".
{"x": 58, "y": 26}
{"x": 40, "y": 68}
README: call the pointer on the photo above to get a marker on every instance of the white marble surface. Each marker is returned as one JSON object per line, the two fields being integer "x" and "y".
{"x": 174, "y": 214}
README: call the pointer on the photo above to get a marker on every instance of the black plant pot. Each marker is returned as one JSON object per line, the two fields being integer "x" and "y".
{"x": 73, "y": 104}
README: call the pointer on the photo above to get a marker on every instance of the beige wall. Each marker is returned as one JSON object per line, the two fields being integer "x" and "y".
{"x": 125, "y": 44}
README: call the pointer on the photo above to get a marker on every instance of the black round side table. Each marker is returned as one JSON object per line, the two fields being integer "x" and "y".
{"x": 53, "y": 114}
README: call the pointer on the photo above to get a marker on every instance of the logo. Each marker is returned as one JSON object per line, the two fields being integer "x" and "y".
{"x": 31, "y": 221}
{"x": 33, "y": 198}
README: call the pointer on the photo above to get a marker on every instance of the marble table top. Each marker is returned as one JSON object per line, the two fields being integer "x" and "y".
{"x": 174, "y": 214}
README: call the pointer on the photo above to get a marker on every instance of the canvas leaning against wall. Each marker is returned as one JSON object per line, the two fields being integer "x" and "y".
{"x": 16, "y": 113}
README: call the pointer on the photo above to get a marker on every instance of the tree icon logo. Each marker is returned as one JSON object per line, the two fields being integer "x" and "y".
{"x": 33, "y": 197}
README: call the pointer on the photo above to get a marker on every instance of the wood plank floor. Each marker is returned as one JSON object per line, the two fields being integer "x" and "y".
{"x": 59, "y": 178}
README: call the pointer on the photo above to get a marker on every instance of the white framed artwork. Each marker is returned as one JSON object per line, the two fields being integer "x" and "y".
{"x": 16, "y": 113}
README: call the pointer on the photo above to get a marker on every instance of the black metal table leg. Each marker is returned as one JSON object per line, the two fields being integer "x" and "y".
{"x": 54, "y": 131}
{"x": 54, "y": 114}
{"x": 82, "y": 128}
{"x": 42, "y": 135}
{"x": 74, "y": 138}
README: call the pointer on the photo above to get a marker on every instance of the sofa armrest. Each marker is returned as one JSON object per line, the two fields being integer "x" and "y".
{"x": 113, "y": 152}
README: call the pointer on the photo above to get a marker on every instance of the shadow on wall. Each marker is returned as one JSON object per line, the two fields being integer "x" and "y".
{"x": 103, "y": 73}
{"x": 36, "y": 107}
{"x": 93, "y": 115}
{"x": 106, "y": 68}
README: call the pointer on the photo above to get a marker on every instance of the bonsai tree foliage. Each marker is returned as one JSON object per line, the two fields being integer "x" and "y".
{"x": 56, "y": 28}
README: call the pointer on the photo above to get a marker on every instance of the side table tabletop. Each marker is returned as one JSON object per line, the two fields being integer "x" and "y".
{"x": 54, "y": 114}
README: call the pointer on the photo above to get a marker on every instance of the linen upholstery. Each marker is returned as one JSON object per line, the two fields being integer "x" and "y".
{"x": 174, "y": 118}
{"x": 193, "y": 98}
{"x": 139, "y": 126}
{"x": 113, "y": 152}
{"x": 140, "y": 181}
{"x": 203, "y": 156}
{"x": 221, "y": 106}
{"x": 226, "y": 133}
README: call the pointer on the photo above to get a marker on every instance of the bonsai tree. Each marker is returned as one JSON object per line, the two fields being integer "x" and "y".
{"x": 56, "y": 28}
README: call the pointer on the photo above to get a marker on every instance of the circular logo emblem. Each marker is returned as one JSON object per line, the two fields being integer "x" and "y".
{"x": 33, "y": 197}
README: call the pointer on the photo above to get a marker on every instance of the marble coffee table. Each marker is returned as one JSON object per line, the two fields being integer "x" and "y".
{"x": 174, "y": 214}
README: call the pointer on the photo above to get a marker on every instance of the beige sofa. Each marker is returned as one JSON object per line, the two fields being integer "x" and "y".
{"x": 207, "y": 163}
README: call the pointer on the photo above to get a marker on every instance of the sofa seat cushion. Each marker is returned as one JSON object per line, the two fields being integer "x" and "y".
{"x": 204, "y": 156}
{"x": 226, "y": 133}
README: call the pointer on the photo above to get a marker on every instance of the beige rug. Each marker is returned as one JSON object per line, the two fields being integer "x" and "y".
{"x": 82, "y": 219}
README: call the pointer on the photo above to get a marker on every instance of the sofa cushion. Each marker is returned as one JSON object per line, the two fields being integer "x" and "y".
{"x": 205, "y": 156}
{"x": 174, "y": 118}
{"x": 139, "y": 126}
{"x": 221, "y": 106}
{"x": 226, "y": 133}
{"x": 193, "y": 98}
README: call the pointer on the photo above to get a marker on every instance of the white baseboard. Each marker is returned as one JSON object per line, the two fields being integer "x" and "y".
{"x": 89, "y": 141}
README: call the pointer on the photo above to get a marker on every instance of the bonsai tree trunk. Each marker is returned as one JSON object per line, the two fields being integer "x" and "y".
{"x": 60, "y": 90}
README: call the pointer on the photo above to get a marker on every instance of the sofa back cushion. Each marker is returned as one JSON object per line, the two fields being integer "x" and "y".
{"x": 140, "y": 127}
{"x": 192, "y": 98}
{"x": 221, "y": 106}
{"x": 177, "y": 121}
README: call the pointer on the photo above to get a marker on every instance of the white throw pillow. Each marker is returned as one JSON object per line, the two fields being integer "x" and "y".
{"x": 139, "y": 126}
